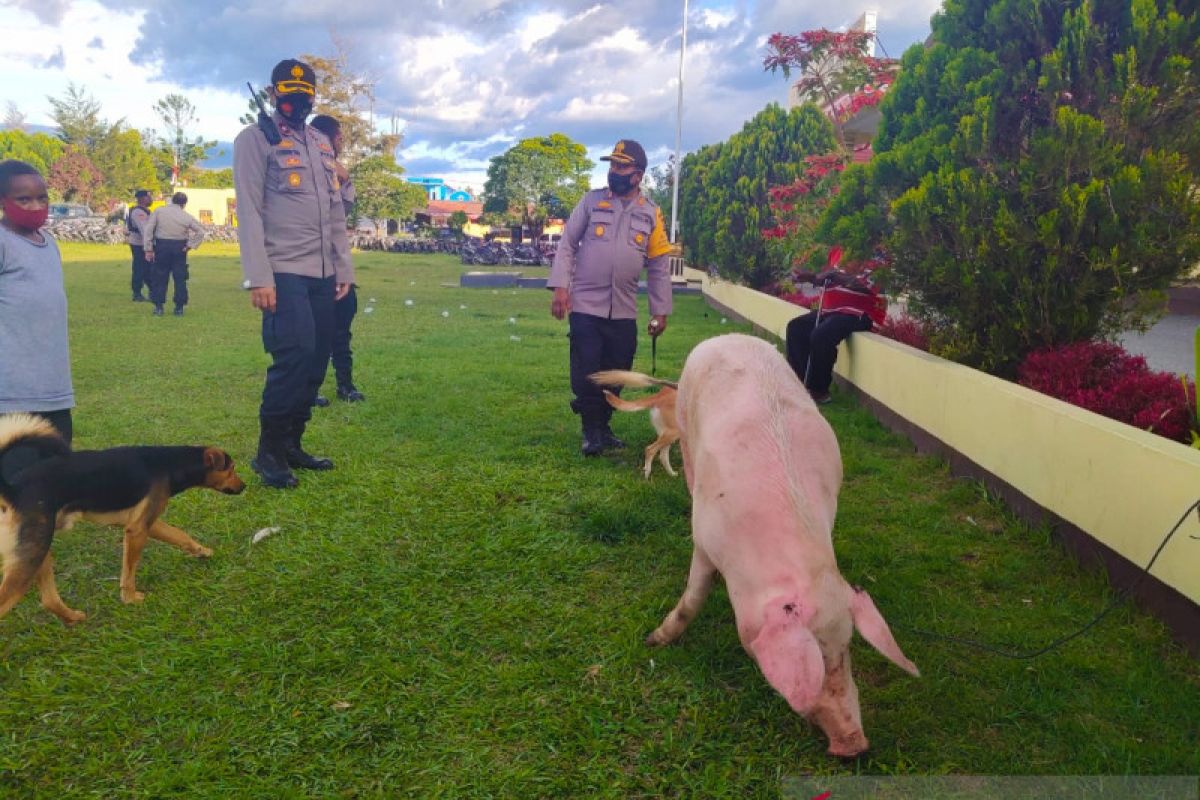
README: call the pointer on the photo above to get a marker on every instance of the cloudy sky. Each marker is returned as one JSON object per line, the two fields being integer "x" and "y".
{"x": 466, "y": 78}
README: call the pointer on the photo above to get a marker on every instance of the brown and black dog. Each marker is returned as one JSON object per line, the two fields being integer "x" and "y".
{"x": 661, "y": 406}
{"x": 45, "y": 486}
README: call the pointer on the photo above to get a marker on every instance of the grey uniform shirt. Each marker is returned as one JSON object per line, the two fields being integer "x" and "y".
{"x": 172, "y": 222}
{"x": 138, "y": 217}
{"x": 606, "y": 244}
{"x": 289, "y": 205}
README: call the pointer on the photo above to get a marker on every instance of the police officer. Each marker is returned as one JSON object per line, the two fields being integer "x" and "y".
{"x": 296, "y": 257}
{"x": 170, "y": 234}
{"x": 611, "y": 236}
{"x": 135, "y": 220}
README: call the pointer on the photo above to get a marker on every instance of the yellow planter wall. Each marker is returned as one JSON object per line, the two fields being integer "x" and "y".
{"x": 1122, "y": 486}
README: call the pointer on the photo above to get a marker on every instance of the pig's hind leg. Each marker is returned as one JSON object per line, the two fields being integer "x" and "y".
{"x": 700, "y": 582}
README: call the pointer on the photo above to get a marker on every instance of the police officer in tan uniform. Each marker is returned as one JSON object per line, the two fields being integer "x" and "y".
{"x": 296, "y": 257}
{"x": 611, "y": 236}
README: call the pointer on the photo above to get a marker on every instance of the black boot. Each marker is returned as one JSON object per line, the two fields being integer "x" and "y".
{"x": 609, "y": 439}
{"x": 347, "y": 392}
{"x": 271, "y": 461}
{"x": 296, "y": 457}
{"x": 593, "y": 441}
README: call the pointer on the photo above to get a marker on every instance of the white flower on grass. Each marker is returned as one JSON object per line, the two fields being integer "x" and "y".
{"x": 408, "y": 302}
{"x": 512, "y": 320}
{"x": 412, "y": 283}
{"x": 445, "y": 313}
{"x": 246, "y": 283}
{"x": 372, "y": 300}
{"x": 514, "y": 338}
{"x": 723, "y": 320}
{"x": 462, "y": 308}
{"x": 368, "y": 309}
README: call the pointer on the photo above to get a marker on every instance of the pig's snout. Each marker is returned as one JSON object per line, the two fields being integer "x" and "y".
{"x": 849, "y": 746}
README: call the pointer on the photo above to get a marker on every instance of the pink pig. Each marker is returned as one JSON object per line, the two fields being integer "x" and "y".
{"x": 764, "y": 470}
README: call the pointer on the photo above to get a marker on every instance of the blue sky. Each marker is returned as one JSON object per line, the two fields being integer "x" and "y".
{"x": 464, "y": 79}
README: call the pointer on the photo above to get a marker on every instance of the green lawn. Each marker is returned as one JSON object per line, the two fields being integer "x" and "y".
{"x": 458, "y": 610}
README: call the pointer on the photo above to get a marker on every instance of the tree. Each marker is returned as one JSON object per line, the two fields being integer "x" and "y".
{"x": 74, "y": 177}
{"x": 209, "y": 178}
{"x": 77, "y": 115}
{"x": 536, "y": 179}
{"x": 14, "y": 118}
{"x": 125, "y": 162}
{"x": 659, "y": 185}
{"x": 1035, "y": 173}
{"x": 36, "y": 149}
{"x": 178, "y": 151}
{"x": 458, "y": 221}
{"x": 382, "y": 193}
{"x": 723, "y": 190}
{"x": 833, "y": 66}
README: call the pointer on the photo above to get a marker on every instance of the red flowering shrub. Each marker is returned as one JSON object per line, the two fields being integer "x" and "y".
{"x": 1103, "y": 378}
{"x": 906, "y": 330}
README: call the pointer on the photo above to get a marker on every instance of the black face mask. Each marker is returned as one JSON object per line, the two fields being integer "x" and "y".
{"x": 620, "y": 184}
{"x": 295, "y": 108}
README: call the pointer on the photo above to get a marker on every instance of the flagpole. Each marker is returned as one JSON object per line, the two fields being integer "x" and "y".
{"x": 678, "y": 132}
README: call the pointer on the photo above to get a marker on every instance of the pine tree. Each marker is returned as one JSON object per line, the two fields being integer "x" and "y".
{"x": 723, "y": 190}
{"x": 1035, "y": 173}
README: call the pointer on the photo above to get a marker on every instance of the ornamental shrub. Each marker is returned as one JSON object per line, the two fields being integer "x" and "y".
{"x": 1104, "y": 378}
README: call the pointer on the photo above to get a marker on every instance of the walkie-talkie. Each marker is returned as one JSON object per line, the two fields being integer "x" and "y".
{"x": 265, "y": 123}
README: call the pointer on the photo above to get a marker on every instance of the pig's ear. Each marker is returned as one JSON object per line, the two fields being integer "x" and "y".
{"x": 789, "y": 657}
{"x": 870, "y": 624}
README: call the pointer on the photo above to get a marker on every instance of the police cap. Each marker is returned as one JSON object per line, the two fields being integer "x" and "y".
{"x": 627, "y": 151}
{"x": 293, "y": 77}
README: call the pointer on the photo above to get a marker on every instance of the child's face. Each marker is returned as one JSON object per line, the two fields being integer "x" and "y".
{"x": 28, "y": 192}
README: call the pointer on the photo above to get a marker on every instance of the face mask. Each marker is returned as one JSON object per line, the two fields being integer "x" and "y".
{"x": 29, "y": 219}
{"x": 620, "y": 184}
{"x": 294, "y": 108}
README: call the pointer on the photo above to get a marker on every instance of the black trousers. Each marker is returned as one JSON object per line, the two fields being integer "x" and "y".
{"x": 61, "y": 420}
{"x": 819, "y": 342}
{"x": 141, "y": 269}
{"x": 170, "y": 262}
{"x": 297, "y": 335}
{"x": 597, "y": 344}
{"x": 343, "y": 360}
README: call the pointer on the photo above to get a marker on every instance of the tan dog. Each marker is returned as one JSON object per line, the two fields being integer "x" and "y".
{"x": 661, "y": 406}
{"x": 45, "y": 486}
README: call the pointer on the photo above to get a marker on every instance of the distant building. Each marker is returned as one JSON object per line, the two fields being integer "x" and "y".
{"x": 438, "y": 212}
{"x": 211, "y": 206}
{"x": 436, "y": 189}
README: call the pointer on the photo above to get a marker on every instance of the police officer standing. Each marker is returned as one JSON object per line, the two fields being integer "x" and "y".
{"x": 135, "y": 220}
{"x": 611, "y": 236}
{"x": 170, "y": 234}
{"x": 296, "y": 257}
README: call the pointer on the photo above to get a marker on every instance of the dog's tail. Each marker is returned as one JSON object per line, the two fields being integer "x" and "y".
{"x": 24, "y": 441}
{"x": 621, "y": 377}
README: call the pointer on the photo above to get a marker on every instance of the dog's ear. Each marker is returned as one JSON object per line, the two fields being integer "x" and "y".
{"x": 216, "y": 459}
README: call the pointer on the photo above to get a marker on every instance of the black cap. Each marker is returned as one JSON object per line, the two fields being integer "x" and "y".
{"x": 627, "y": 151}
{"x": 294, "y": 77}
{"x": 140, "y": 193}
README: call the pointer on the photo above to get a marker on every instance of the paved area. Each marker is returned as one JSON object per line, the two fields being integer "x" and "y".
{"x": 1168, "y": 346}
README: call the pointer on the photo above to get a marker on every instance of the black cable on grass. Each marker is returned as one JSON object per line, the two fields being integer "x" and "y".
{"x": 1121, "y": 598}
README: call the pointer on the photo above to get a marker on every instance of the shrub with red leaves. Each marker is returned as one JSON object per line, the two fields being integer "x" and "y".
{"x": 1104, "y": 378}
{"x": 906, "y": 330}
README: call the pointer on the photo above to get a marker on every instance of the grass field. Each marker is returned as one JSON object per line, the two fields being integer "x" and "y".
{"x": 458, "y": 609}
